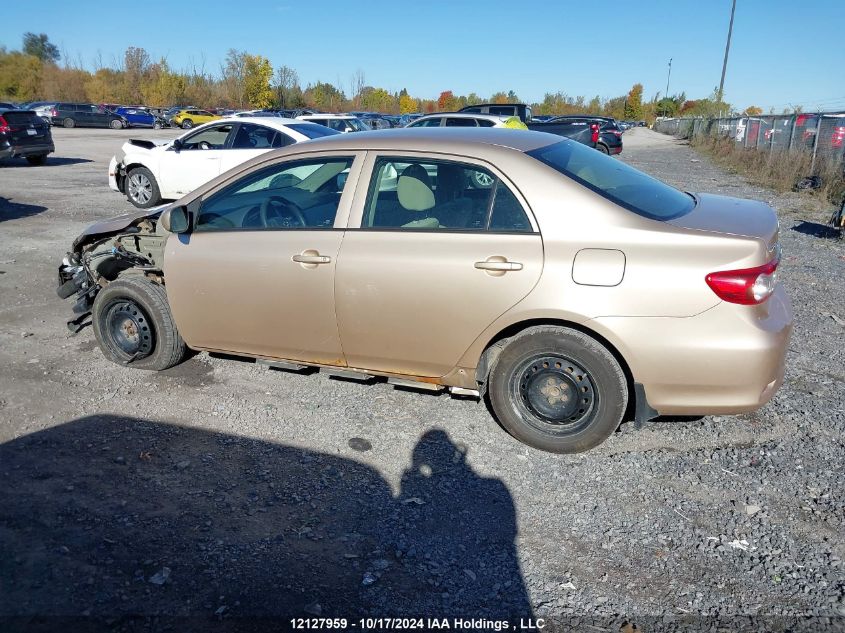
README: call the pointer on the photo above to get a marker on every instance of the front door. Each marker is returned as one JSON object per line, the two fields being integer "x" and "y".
{"x": 256, "y": 275}
{"x": 196, "y": 162}
{"x": 434, "y": 258}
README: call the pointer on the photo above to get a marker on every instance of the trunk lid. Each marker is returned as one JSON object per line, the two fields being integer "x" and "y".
{"x": 732, "y": 216}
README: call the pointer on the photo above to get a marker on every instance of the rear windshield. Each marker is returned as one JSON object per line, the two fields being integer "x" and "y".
{"x": 18, "y": 117}
{"x": 616, "y": 181}
{"x": 312, "y": 130}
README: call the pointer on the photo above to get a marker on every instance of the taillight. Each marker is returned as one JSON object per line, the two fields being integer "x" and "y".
{"x": 4, "y": 127}
{"x": 54, "y": 112}
{"x": 748, "y": 286}
{"x": 595, "y": 128}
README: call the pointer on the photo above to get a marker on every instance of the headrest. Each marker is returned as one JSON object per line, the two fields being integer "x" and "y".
{"x": 414, "y": 190}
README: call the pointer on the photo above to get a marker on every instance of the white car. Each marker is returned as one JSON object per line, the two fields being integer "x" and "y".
{"x": 148, "y": 172}
{"x": 466, "y": 119}
{"x": 341, "y": 122}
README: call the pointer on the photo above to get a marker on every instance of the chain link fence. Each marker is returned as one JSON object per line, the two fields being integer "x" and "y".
{"x": 821, "y": 135}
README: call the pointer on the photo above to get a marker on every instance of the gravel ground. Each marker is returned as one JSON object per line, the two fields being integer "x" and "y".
{"x": 222, "y": 496}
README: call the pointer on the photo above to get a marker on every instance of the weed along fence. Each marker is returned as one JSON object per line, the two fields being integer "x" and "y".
{"x": 821, "y": 136}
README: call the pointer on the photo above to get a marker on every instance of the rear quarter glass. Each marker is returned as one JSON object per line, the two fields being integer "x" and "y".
{"x": 630, "y": 188}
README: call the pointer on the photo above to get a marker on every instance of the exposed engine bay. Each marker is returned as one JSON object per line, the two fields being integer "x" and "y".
{"x": 131, "y": 244}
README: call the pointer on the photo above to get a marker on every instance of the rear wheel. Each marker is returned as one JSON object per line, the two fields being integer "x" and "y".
{"x": 142, "y": 188}
{"x": 68, "y": 122}
{"x": 602, "y": 148}
{"x": 156, "y": 125}
{"x": 116, "y": 124}
{"x": 187, "y": 123}
{"x": 558, "y": 390}
{"x": 36, "y": 160}
{"x": 133, "y": 325}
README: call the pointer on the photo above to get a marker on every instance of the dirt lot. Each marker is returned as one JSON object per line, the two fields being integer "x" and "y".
{"x": 218, "y": 492}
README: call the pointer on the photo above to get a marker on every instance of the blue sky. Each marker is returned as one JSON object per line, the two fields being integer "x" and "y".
{"x": 783, "y": 52}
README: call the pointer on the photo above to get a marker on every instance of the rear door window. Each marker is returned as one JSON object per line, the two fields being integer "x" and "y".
{"x": 460, "y": 122}
{"x": 438, "y": 195}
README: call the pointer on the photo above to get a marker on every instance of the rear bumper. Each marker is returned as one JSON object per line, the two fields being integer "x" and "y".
{"x": 729, "y": 359}
{"x": 13, "y": 151}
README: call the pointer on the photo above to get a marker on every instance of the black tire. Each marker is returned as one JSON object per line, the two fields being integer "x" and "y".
{"x": 68, "y": 122}
{"x": 36, "y": 160}
{"x": 603, "y": 148}
{"x": 156, "y": 125}
{"x": 544, "y": 414}
{"x": 187, "y": 124}
{"x": 116, "y": 124}
{"x": 134, "y": 326}
{"x": 141, "y": 188}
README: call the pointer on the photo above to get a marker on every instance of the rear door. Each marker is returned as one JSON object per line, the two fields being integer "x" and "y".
{"x": 429, "y": 261}
{"x": 250, "y": 140}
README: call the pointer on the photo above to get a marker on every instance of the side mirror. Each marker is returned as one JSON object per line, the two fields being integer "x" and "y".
{"x": 177, "y": 144}
{"x": 341, "y": 180}
{"x": 175, "y": 220}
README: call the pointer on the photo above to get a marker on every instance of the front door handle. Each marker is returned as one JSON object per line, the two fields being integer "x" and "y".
{"x": 498, "y": 264}
{"x": 311, "y": 257}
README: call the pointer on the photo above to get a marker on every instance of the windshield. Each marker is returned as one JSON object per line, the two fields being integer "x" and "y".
{"x": 616, "y": 181}
{"x": 358, "y": 125}
{"x": 312, "y": 130}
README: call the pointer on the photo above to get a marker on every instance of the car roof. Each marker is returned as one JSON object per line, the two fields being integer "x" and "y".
{"x": 468, "y": 115}
{"x": 305, "y": 117}
{"x": 448, "y": 140}
{"x": 277, "y": 122}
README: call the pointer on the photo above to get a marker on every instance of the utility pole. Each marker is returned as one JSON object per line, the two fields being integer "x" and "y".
{"x": 727, "y": 50}
{"x": 669, "y": 74}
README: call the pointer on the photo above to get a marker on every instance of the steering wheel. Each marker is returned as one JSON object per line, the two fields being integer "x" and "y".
{"x": 281, "y": 206}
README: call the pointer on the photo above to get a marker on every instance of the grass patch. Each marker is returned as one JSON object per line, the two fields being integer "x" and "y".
{"x": 779, "y": 169}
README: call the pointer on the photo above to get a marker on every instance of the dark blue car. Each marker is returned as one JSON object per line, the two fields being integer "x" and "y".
{"x": 139, "y": 117}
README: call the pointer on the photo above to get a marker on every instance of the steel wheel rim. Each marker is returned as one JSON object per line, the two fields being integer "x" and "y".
{"x": 140, "y": 188}
{"x": 554, "y": 394}
{"x": 129, "y": 330}
{"x": 483, "y": 180}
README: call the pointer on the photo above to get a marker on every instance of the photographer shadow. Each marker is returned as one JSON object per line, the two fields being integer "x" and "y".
{"x": 113, "y": 523}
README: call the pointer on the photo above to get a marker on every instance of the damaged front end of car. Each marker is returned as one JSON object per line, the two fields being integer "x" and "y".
{"x": 129, "y": 244}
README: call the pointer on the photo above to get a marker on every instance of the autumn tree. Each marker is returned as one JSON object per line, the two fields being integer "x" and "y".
{"x": 257, "y": 76}
{"x": 633, "y": 110}
{"x": 40, "y": 46}
{"x": 753, "y": 111}
{"x": 136, "y": 65}
{"x": 234, "y": 75}
{"x": 446, "y": 101}
{"x": 407, "y": 104}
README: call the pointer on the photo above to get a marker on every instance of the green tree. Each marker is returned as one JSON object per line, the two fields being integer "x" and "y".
{"x": 324, "y": 96}
{"x": 633, "y": 110}
{"x": 40, "y": 46}
{"x": 257, "y": 76}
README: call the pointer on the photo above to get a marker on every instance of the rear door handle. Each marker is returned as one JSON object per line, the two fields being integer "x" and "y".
{"x": 308, "y": 258}
{"x": 497, "y": 265}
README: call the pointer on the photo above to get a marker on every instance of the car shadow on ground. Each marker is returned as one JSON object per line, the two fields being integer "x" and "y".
{"x": 15, "y": 210}
{"x": 112, "y": 523}
{"x": 52, "y": 161}
{"x": 816, "y": 230}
